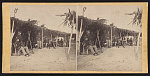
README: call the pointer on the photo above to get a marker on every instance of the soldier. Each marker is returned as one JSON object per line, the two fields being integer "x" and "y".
{"x": 120, "y": 43}
{"x": 24, "y": 49}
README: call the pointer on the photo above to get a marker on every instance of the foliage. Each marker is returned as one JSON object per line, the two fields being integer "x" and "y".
{"x": 31, "y": 25}
{"x": 137, "y": 17}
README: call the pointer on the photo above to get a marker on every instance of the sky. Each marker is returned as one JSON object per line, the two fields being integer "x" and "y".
{"x": 46, "y": 14}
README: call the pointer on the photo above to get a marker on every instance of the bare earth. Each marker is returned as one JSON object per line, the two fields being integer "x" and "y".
{"x": 112, "y": 59}
{"x": 45, "y": 60}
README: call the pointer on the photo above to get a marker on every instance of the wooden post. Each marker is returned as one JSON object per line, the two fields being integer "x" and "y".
{"x": 98, "y": 38}
{"x": 42, "y": 37}
{"x": 12, "y": 35}
{"x": 12, "y": 30}
{"x": 77, "y": 33}
{"x": 71, "y": 35}
{"x": 111, "y": 36}
{"x": 80, "y": 33}
{"x": 42, "y": 26}
{"x": 127, "y": 37}
{"x": 29, "y": 33}
{"x": 120, "y": 34}
{"x": 111, "y": 27}
{"x": 137, "y": 47}
{"x": 57, "y": 41}
{"x": 51, "y": 36}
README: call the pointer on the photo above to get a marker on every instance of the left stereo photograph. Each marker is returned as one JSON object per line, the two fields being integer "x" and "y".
{"x": 42, "y": 38}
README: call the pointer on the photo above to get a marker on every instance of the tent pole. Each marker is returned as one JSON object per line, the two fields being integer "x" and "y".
{"x": 77, "y": 33}
{"x": 42, "y": 37}
{"x": 80, "y": 33}
{"x": 111, "y": 36}
{"x": 51, "y": 36}
{"x": 12, "y": 30}
{"x": 98, "y": 39}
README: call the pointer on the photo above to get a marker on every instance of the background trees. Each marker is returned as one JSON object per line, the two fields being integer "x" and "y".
{"x": 29, "y": 32}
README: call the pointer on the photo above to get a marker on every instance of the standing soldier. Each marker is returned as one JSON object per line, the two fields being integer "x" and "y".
{"x": 53, "y": 43}
{"x": 49, "y": 43}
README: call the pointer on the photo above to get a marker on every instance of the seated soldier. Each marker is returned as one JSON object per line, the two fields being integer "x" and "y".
{"x": 24, "y": 49}
{"x": 93, "y": 48}
{"x": 89, "y": 45}
{"x": 88, "y": 42}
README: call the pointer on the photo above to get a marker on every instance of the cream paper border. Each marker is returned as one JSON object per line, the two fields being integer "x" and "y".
{"x": 6, "y": 53}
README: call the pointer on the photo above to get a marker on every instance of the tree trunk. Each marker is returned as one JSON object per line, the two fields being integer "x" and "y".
{"x": 68, "y": 51}
{"x": 70, "y": 39}
{"x": 137, "y": 47}
{"x": 56, "y": 40}
{"x": 77, "y": 33}
{"x": 98, "y": 39}
{"x": 29, "y": 38}
{"x": 12, "y": 36}
{"x": 51, "y": 37}
{"x": 42, "y": 39}
{"x": 80, "y": 32}
{"x": 111, "y": 38}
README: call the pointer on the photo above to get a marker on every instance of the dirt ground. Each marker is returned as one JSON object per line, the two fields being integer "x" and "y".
{"x": 112, "y": 59}
{"x": 45, "y": 60}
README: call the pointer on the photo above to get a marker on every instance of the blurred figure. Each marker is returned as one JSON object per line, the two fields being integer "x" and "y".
{"x": 24, "y": 50}
{"x": 61, "y": 43}
{"x": 120, "y": 43}
{"x": 93, "y": 48}
{"x": 51, "y": 44}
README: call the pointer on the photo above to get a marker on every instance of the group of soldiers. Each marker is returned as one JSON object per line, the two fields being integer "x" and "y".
{"x": 20, "y": 47}
{"x": 48, "y": 43}
{"x": 23, "y": 46}
{"x": 88, "y": 43}
{"x": 123, "y": 42}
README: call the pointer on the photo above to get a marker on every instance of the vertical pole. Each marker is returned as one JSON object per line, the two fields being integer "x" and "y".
{"x": 71, "y": 35}
{"x": 137, "y": 47}
{"x": 127, "y": 37}
{"x": 70, "y": 40}
{"x": 98, "y": 39}
{"x": 51, "y": 36}
{"x": 29, "y": 38}
{"x": 80, "y": 34}
{"x": 111, "y": 36}
{"x": 120, "y": 34}
{"x": 65, "y": 41}
{"x": 13, "y": 35}
{"x": 108, "y": 39}
{"x": 57, "y": 41}
{"x": 12, "y": 31}
{"x": 42, "y": 37}
{"x": 77, "y": 33}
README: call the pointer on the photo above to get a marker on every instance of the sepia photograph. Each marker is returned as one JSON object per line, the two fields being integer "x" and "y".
{"x": 75, "y": 37}
{"x": 43, "y": 38}
{"x": 110, "y": 38}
